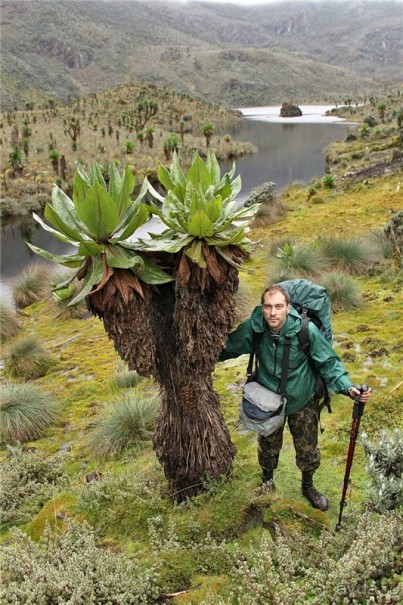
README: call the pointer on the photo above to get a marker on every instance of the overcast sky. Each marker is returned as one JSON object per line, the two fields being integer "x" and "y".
{"x": 252, "y": 2}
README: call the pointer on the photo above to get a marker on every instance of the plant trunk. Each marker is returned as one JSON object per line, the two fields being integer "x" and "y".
{"x": 176, "y": 333}
{"x": 191, "y": 439}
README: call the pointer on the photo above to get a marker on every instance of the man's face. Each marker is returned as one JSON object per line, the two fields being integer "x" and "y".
{"x": 275, "y": 309}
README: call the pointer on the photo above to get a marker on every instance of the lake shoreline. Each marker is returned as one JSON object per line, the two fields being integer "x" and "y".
{"x": 311, "y": 114}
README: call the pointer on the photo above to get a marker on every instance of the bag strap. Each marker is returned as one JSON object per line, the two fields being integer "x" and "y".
{"x": 256, "y": 340}
{"x": 284, "y": 368}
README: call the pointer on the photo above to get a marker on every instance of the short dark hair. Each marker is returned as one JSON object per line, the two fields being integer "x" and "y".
{"x": 275, "y": 288}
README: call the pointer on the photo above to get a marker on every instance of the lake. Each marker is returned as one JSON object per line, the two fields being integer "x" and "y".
{"x": 290, "y": 149}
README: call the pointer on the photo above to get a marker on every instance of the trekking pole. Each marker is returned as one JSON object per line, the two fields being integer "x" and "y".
{"x": 358, "y": 411}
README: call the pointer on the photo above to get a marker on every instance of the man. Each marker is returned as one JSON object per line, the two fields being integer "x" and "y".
{"x": 276, "y": 319}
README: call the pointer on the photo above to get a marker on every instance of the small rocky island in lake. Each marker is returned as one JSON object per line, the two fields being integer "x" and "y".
{"x": 288, "y": 110}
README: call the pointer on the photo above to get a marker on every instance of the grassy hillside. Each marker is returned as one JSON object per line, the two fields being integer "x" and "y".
{"x": 200, "y": 551}
{"x": 107, "y": 127}
{"x": 257, "y": 55}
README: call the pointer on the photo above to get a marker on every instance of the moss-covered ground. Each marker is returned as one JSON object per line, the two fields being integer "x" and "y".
{"x": 129, "y": 505}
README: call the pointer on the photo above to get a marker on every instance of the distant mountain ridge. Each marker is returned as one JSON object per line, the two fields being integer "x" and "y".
{"x": 300, "y": 51}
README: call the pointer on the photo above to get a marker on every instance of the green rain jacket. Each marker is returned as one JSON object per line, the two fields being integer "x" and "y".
{"x": 301, "y": 379}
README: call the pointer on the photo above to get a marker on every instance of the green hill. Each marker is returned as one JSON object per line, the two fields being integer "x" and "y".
{"x": 301, "y": 51}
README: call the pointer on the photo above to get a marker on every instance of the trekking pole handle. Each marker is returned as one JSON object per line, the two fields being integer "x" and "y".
{"x": 358, "y": 408}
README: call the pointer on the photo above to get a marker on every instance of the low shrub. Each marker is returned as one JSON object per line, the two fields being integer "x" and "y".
{"x": 26, "y": 359}
{"x": 70, "y": 568}
{"x": 127, "y": 423}
{"x": 343, "y": 292}
{"x": 25, "y": 413}
{"x": 385, "y": 467}
{"x": 358, "y": 565}
{"x": 27, "y": 481}
{"x": 30, "y": 285}
{"x": 9, "y": 325}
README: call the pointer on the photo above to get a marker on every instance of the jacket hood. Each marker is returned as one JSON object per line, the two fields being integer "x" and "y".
{"x": 291, "y": 327}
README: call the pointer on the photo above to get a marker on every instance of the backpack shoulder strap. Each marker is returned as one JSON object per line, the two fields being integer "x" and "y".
{"x": 305, "y": 344}
{"x": 303, "y": 334}
{"x": 256, "y": 340}
{"x": 284, "y": 368}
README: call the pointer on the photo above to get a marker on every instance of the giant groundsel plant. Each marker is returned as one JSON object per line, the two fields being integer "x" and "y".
{"x": 202, "y": 216}
{"x": 167, "y": 301}
{"x": 97, "y": 222}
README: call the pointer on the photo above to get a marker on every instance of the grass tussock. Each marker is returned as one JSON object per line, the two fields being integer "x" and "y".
{"x": 25, "y": 412}
{"x": 127, "y": 424}
{"x": 349, "y": 255}
{"x": 343, "y": 292}
{"x": 30, "y": 285}
{"x": 295, "y": 261}
{"x": 26, "y": 359}
{"x": 9, "y": 324}
{"x": 125, "y": 378}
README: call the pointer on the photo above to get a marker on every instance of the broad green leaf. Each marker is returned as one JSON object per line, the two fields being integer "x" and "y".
{"x": 150, "y": 273}
{"x": 226, "y": 189}
{"x": 65, "y": 209}
{"x": 123, "y": 200}
{"x": 72, "y": 260}
{"x": 92, "y": 277}
{"x": 80, "y": 186}
{"x": 199, "y": 175}
{"x": 143, "y": 190}
{"x": 53, "y": 217}
{"x": 123, "y": 259}
{"x": 162, "y": 244}
{"x": 153, "y": 191}
{"x": 64, "y": 283}
{"x": 83, "y": 174}
{"x": 115, "y": 181}
{"x": 164, "y": 178}
{"x": 231, "y": 236}
{"x": 96, "y": 176}
{"x": 201, "y": 225}
{"x": 57, "y": 234}
{"x": 214, "y": 168}
{"x": 180, "y": 192}
{"x": 98, "y": 212}
{"x": 170, "y": 222}
{"x": 62, "y": 294}
{"x": 90, "y": 249}
{"x": 213, "y": 209}
{"x": 196, "y": 205}
{"x": 136, "y": 215}
{"x": 176, "y": 171}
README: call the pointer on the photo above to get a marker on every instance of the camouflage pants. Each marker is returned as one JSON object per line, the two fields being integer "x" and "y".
{"x": 303, "y": 426}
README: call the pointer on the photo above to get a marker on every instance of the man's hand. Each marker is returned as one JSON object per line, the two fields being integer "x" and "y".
{"x": 364, "y": 396}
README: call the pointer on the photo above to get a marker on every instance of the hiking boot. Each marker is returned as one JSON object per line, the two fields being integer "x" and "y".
{"x": 267, "y": 481}
{"x": 316, "y": 499}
